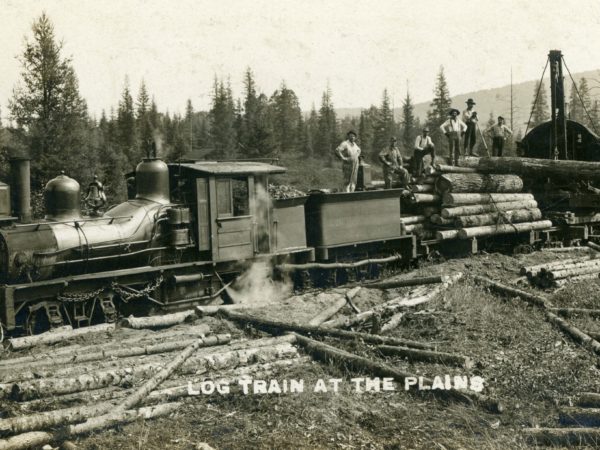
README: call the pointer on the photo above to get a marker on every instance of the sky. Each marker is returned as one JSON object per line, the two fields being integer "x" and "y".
{"x": 358, "y": 48}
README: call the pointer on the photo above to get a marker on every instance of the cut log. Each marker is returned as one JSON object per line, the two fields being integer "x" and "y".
{"x": 351, "y": 361}
{"x": 417, "y": 228}
{"x": 421, "y": 188}
{"x": 476, "y": 182}
{"x": 437, "y": 219}
{"x": 562, "y": 436}
{"x": 469, "y": 210}
{"x": 568, "y": 249}
{"x": 575, "y": 333}
{"x": 435, "y": 357}
{"x": 583, "y": 268}
{"x": 364, "y": 262}
{"x": 411, "y": 220}
{"x": 548, "y": 265}
{"x": 575, "y": 279}
{"x": 534, "y": 299}
{"x": 392, "y": 284}
{"x": 589, "y": 399}
{"x": 428, "y": 211}
{"x": 331, "y": 311}
{"x": 581, "y": 417}
{"x": 231, "y": 355}
{"x": 568, "y": 312}
{"x": 426, "y": 180}
{"x": 320, "y": 331}
{"x": 142, "y": 340}
{"x": 393, "y": 322}
{"x": 111, "y": 413}
{"x": 39, "y": 438}
{"x": 493, "y": 230}
{"x": 52, "y": 337}
{"x": 446, "y": 234}
{"x": 504, "y": 217}
{"x": 592, "y": 245}
{"x": 443, "y": 168}
{"x": 66, "y": 364}
{"x": 423, "y": 198}
{"x": 452, "y": 199}
{"x": 166, "y": 320}
{"x": 532, "y": 167}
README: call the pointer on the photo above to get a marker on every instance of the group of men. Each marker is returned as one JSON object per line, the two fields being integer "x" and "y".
{"x": 454, "y": 129}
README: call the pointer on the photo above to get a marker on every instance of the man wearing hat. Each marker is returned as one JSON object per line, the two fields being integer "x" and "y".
{"x": 391, "y": 158}
{"x": 423, "y": 146}
{"x": 348, "y": 151}
{"x": 453, "y": 128}
{"x": 469, "y": 117}
{"x": 498, "y": 133}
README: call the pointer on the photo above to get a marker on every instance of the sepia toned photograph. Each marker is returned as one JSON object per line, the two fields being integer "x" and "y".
{"x": 369, "y": 225}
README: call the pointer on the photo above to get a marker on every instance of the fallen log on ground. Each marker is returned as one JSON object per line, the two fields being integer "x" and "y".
{"x": 544, "y": 168}
{"x": 351, "y": 361}
{"x": 504, "y": 217}
{"x": 593, "y": 246}
{"x": 436, "y": 357}
{"x": 53, "y": 337}
{"x": 393, "y": 322}
{"x": 166, "y": 320}
{"x": 562, "y": 436}
{"x": 576, "y": 334}
{"x": 477, "y": 182}
{"x": 581, "y": 417}
{"x": 576, "y": 279}
{"x": 73, "y": 350}
{"x": 45, "y": 387}
{"x": 410, "y": 220}
{"x": 493, "y": 230}
{"x": 450, "y": 199}
{"x": 364, "y": 262}
{"x": 469, "y": 210}
{"x": 266, "y": 324}
{"x": 589, "y": 399}
{"x": 567, "y": 312}
{"x": 534, "y": 269}
{"x": 568, "y": 249}
{"x": 331, "y": 311}
{"x": 211, "y": 310}
{"x": 32, "y": 371}
{"x": 582, "y": 268}
{"x": 39, "y": 438}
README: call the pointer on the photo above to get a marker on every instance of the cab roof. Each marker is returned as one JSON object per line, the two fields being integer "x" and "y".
{"x": 229, "y": 167}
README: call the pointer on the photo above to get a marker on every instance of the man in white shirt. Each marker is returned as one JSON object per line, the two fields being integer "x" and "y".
{"x": 498, "y": 133}
{"x": 423, "y": 146}
{"x": 391, "y": 158}
{"x": 469, "y": 117}
{"x": 348, "y": 151}
{"x": 454, "y": 129}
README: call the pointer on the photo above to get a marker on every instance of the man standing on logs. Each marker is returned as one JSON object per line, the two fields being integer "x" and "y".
{"x": 454, "y": 129}
{"x": 498, "y": 133}
{"x": 423, "y": 146}
{"x": 348, "y": 151}
{"x": 391, "y": 158}
{"x": 469, "y": 117}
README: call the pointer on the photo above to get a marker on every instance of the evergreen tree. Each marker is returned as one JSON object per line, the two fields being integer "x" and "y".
{"x": 143, "y": 123}
{"x": 575, "y": 108}
{"x": 222, "y": 121}
{"x": 438, "y": 114}
{"x": 366, "y": 130}
{"x": 327, "y": 134}
{"x": 312, "y": 129}
{"x": 384, "y": 126}
{"x": 127, "y": 130}
{"x": 409, "y": 130}
{"x": 50, "y": 115}
{"x": 286, "y": 115}
{"x": 539, "y": 108}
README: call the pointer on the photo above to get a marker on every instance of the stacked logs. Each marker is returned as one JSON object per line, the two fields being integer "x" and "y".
{"x": 559, "y": 273}
{"x": 473, "y": 204}
{"x": 421, "y": 198}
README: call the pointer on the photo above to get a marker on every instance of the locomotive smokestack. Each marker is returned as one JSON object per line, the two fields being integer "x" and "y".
{"x": 21, "y": 188}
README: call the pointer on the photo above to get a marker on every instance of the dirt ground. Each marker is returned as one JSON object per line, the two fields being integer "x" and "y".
{"x": 527, "y": 363}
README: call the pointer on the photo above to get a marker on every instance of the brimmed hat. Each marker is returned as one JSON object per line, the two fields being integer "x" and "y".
{"x": 393, "y": 138}
{"x": 452, "y": 110}
{"x": 351, "y": 132}
{"x": 470, "y": 102}
{"x": 426, "y": 129}
{"x": 500, "y": 117}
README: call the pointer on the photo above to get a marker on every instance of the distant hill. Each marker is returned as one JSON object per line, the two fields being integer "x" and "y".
{"x": 496, "y": 101}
